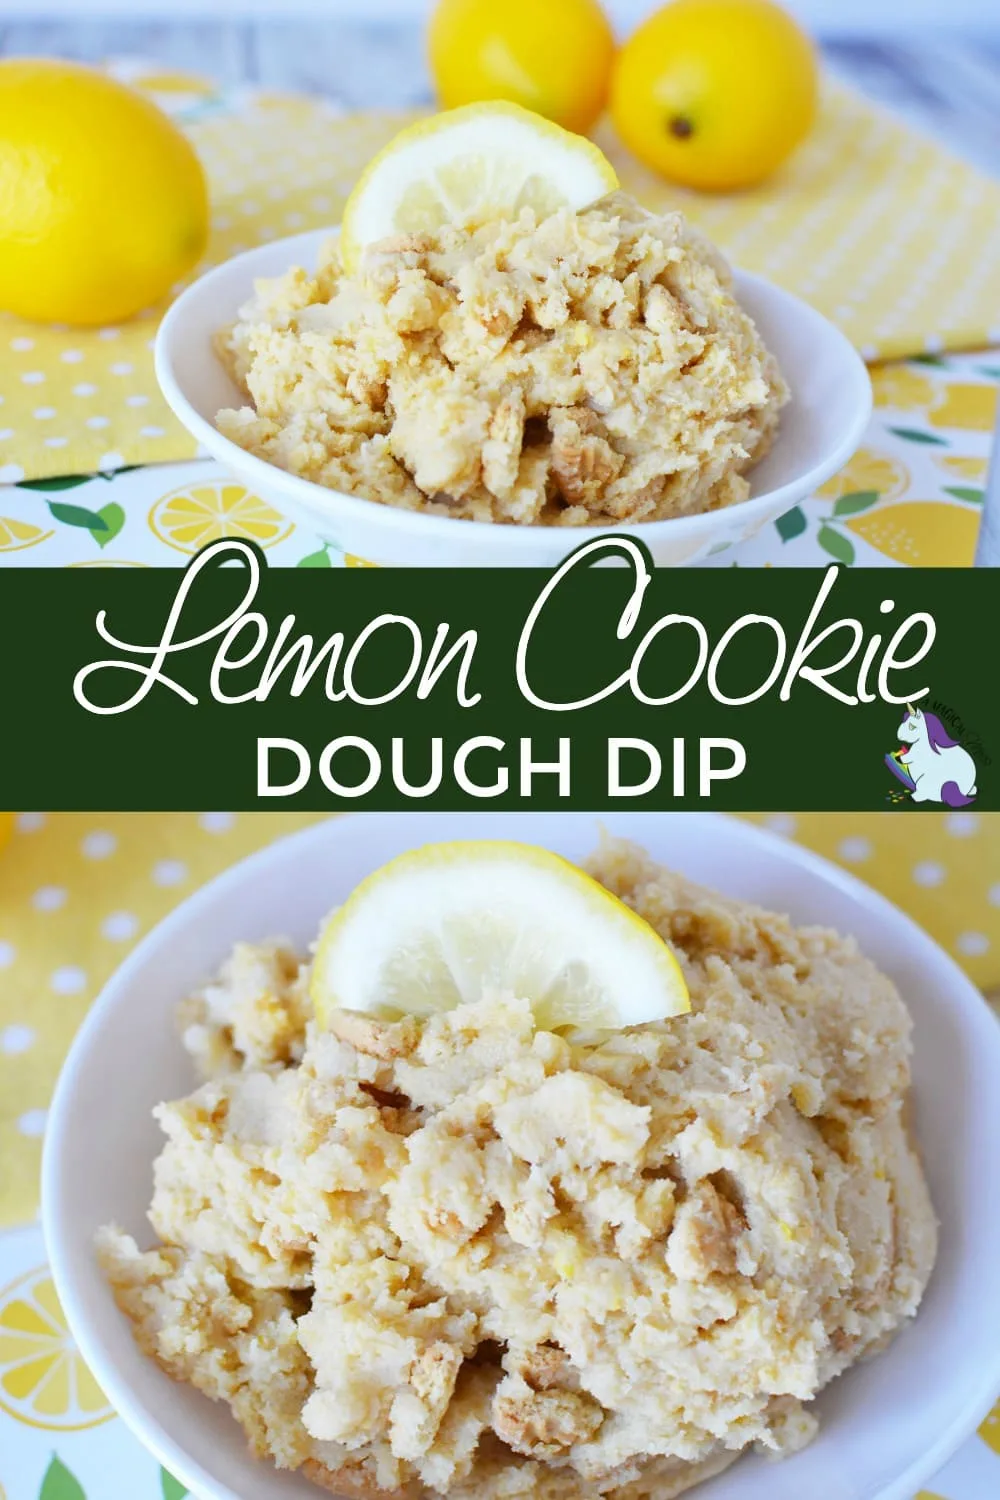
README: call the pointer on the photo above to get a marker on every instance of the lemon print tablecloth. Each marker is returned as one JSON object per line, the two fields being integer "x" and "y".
{"x": 911, "y": 495}
{"x": 77, "y": 891}
{"x": 886, "y": 233}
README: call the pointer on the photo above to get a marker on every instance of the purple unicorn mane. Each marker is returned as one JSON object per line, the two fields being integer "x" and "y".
{"x": 939, "y": 737}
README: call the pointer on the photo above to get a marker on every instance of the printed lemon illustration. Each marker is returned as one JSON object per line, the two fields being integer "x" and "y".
{"x": 350, "y": 561}
{"x": 990, "y": 1430}
{"x": 973, "y": 407}
{"x": 901, "y": 387}
{"x": 6, "y": 827}
{"x": 192, "y": 517}
{"x": 554, "y": 57}
{"x": 963, "y": 466}
{"x": 922, "y": 533}
{"x": 105, "y": 203}
{"x": 175, "y": 83}
{"x": 437, "y": 927}
{"x": 715, "y": 94}
{"x": 866, "y": 471}
{"x": 16, "y": 535}
{"x": 43, "y": 1380}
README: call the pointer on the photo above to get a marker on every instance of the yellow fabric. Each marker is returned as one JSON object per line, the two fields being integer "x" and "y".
{"x": 885, "y": 232}
{"x": 78, "y": 889}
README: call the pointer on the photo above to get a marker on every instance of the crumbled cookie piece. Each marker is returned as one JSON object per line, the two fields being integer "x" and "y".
{"x": 461, "y": 1257}
{"x": 585, "y": 369}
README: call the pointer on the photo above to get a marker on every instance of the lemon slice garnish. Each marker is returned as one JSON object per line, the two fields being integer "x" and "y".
{"x": 467, "y": 167}
{"x": 441, "y": 925}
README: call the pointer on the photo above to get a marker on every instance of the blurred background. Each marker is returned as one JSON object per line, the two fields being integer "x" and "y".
{"x": 937, "y": 62}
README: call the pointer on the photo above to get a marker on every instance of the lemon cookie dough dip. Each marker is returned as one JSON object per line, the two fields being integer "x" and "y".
{"x": 460, "y": 1255}
{"x": 583, "y": 366}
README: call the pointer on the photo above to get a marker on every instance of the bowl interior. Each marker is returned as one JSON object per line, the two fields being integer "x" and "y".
{"x": 820, "y": 428}
{"x": 886, "y": 1426}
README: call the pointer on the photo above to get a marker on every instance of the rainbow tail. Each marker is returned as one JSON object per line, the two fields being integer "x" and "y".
{"x": 900, "y": 772}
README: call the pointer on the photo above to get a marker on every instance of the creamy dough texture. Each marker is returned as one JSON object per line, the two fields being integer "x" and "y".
{"x": 587, "y": 369}
{"x": 471, "y": 1259}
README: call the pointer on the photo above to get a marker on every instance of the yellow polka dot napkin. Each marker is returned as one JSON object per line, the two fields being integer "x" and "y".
{"x": 77, "y": 890}
{"x": 886, "y": 233}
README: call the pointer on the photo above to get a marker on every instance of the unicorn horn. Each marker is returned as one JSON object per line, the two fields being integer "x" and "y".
{"x": 910, "y": 710}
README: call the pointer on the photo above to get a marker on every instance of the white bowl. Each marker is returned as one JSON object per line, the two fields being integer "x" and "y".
{"x": 887, "y": 1426}
{"x": 820, "y": 429}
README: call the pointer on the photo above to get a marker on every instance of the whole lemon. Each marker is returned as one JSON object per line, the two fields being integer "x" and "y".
{"x": 715, "y": 94}
{"x": 551, "y": 56}
{"x": 103, "y": 202}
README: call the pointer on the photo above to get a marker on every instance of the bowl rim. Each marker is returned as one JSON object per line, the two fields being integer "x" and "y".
{"x": 62, "y": 1251}
{"x": 390, "y": 518}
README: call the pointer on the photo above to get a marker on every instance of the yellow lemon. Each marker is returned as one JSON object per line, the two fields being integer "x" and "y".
{"x": 6, "y": 827}
{"x": 104, "y": 202}
{"x": 867, "y": 470}
{"x": 552, "y": 57}
{"x": 923, "y": 533}
{"x": 973, "y": 407}
{"x": 467, "y": 166}
{"x": 715, "y": 94}
{"x": 900, "y": 387}
{"x": 43, "y": 1380}
{"x": 439, "y": 926}
{"x": 190, "y": 518}
{"x": 351, "y": 561}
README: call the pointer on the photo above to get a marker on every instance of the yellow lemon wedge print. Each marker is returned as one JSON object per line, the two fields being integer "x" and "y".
{"x": 868, "y": 470}
{"x": 350, "y": 561}
{"x": 175, "y": 83}
{"x": 990, "y": 1430}
{"x": 922, "y": 533}
{"x": 973, "y": 407}
{"x": 43, "y": 1380}
{"x": 16, "y": 535}
{"x": 188, "y": 519}
{"x": 901, "y": 387}
{"x": 962, "y": 465}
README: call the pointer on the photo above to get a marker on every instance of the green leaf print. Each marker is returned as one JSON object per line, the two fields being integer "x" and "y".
{"x": 934, "y": 360}
{"x": 961, "y": 492}
{"x": 114, "y": 519}
{"x": 320, "y": 559}
{"x": 791, "y": 525}
{"x": 171, "y": 1487}
{"x": 914, "y": 435}
{"x": 857, "y": 501}
{"x": 75, "y": 515}
{"x": 839, "y": 546}
{"x": 60, "y": 1484}
{"x": 61, "y": 482}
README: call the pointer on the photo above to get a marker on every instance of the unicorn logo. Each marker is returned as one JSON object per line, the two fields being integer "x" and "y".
{"x": 932, "y": 766}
